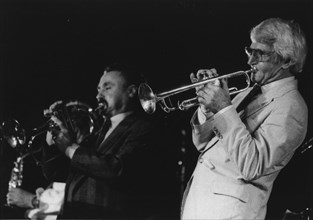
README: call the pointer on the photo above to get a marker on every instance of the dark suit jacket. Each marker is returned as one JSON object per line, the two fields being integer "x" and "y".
{"x": 119, "y": 178}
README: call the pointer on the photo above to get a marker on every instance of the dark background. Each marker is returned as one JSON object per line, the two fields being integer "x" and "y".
{"x": 57, "y": 50}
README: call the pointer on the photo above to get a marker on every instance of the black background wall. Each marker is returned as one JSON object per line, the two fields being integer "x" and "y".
{"x": 57, "y": 50}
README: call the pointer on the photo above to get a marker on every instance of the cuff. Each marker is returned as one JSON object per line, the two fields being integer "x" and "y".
{"x": 202, "y": 116}
{"x": 70, "y": 150}
{"x": 35, "y": 202}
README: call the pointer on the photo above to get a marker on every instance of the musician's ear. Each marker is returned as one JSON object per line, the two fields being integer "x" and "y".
{"x": 288, "y": 63}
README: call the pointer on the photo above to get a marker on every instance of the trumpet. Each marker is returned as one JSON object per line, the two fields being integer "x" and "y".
{"x": 148, "y": 98}
{"x": 79, "y": 118}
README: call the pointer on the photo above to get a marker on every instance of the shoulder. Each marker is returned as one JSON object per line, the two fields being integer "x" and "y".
{"x": 139, "y": 119}
{"x": 291, "y": 100}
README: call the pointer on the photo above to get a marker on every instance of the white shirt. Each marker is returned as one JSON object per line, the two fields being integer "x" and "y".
{"x": 115, "y": 120}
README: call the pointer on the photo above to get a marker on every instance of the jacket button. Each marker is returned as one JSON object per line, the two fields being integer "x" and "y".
{"x": 201, "y": 160}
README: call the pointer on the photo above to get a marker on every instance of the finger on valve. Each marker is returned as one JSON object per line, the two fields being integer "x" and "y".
{"x": 57, "y": 124}
{"x": 52, "y": 108}
{"x": 54, "y": 105}
{"x": 224, "y": 83}
{"x": 193, "y": 78}
{"x": 49, "y": 138}
{"x": 203, "y": 74}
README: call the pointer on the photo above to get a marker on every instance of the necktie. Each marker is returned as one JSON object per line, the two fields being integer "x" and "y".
{"x": 105, "y": 127}
{"x": 256, "y": 90}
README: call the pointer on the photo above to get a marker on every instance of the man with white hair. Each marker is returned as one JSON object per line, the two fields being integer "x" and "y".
{"x": 244, "y": 143}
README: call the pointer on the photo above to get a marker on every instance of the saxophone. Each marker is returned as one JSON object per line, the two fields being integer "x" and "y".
{"x": 16, "y": 174}
{"x": 12, "y": 132}
{"x": 78, "y": 117}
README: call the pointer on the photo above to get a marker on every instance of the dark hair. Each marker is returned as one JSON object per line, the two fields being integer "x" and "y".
{"x": 130, "y": 75}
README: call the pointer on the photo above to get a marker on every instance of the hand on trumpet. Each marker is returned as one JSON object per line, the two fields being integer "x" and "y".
{"x": 52, "y": 109}
{"x": 203, "y": 74}
{"x": 212, "y": 97}
{"x": 59, "y": 135}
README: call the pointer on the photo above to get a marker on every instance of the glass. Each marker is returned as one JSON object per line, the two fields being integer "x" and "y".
{"x": 258, "y": 54}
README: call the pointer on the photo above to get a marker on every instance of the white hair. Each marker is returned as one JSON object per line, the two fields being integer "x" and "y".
{"x": 285, "y": 37}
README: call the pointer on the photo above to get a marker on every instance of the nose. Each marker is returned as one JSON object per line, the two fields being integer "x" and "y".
{"x": 99, "y": 95}
{"x": 252, "y": 60}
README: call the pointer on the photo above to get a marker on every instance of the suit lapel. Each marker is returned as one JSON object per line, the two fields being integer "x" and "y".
{"x": 240, "y": 97}
{"x": 121, "y": 128}
{"x": 267, "y": 97}
{"x": 255, "y": 106}
{"x": 75, "y": 179}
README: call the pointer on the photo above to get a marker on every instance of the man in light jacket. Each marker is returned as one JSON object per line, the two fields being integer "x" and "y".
{"x": 243, "y": 150}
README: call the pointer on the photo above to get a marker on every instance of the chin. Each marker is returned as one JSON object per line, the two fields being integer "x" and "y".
{"x": 254, "y": 78}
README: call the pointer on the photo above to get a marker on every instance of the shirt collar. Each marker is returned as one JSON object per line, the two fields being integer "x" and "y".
{"x": 276, "y": 83}
{"x": 116, "y": 119}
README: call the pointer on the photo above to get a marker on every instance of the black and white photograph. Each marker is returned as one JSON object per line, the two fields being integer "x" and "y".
{"x": 156, "y": 109}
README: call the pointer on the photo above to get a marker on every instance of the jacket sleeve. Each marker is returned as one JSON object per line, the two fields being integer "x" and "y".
{"x": 270, "y": 146}
{"x": 202, "y": 133}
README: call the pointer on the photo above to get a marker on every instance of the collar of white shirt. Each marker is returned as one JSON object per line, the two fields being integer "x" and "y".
{"x": 115, "y": 120}
{"x": 280, "y": 82}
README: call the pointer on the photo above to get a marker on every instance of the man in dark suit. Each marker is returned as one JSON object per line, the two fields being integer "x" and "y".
{"x": 121, "y": 174}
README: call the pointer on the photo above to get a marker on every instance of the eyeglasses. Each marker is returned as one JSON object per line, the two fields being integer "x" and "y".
{"x": 259, "y": 55}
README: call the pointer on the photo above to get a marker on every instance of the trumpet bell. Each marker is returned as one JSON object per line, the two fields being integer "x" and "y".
{"x": 76, "y": 116}
{"x": 147, "y": 98}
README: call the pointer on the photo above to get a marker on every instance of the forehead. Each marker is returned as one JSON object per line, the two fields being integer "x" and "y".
{"x": 113, "y": 77}
{"x": 260, "y": 46}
